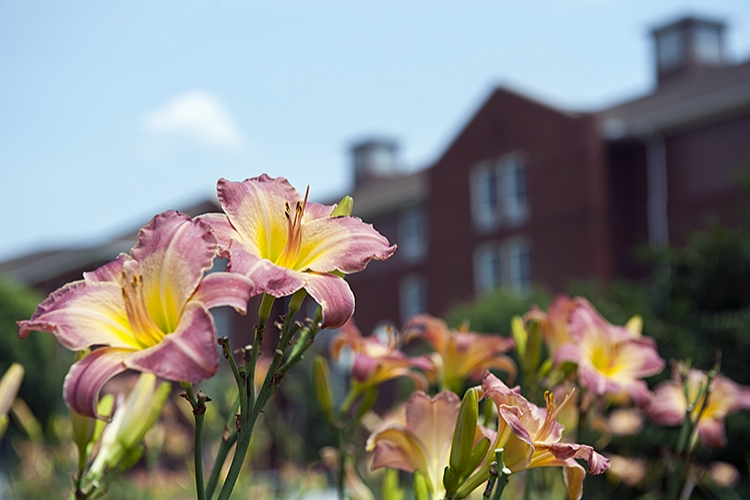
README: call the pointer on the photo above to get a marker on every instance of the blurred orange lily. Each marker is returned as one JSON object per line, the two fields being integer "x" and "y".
{"x": 669, "y": 406}
{"x": 611, "y": 359}
{"x": 459, "y": 354}
{"x": 530, "y": 436}
{"x": 423, "y": 442}
{"x": 377, "y": 358}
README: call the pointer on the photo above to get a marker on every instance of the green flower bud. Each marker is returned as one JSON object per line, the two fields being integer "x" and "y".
{"x": 463, "y": 436}
{"x": 322, "y": 382}
{"x": 420, "y": 487}
{"x": 344, "y": 207}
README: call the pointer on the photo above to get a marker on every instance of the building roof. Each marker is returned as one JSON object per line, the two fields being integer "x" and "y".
{"x": 701, "y": 98}
{"x": 33, "y": 269}
{"x": 389, "y": 194}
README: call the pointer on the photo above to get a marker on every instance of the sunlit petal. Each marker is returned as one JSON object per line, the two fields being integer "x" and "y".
{"x": 86, "y": 378}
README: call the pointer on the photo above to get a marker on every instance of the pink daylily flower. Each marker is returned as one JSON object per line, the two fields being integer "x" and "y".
{"x": 284, "y": 243}
{"x": 531, "y": 436}
{"x": 376, "y": 359}
{"x": 424, "y": 443}
{"x": 611, "y": 359}
{"x": 461, "y": 355}
{"x": 669, "y": 406}
{"x": 554, "y": 324}
{"x": 147, "y": 311}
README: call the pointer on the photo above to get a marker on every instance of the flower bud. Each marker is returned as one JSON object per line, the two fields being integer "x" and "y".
{"x": 322, "y": 382}
{"x": 9, "y": 385}
{"x": 463, "y": 436}
{"x": 344, "y": 207}
{"x": 131, "y": 421}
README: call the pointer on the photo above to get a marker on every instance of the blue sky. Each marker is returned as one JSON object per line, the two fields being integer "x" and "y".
{"x": 111, "y": 112}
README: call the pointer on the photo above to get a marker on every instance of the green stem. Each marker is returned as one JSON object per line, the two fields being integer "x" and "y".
{"x": 249, "y": 416}
{"x": 199, "y": 486}
{"x": 221, "y": 457}
{"x": 263, "y": 313}
{"x": 199, "y": 410}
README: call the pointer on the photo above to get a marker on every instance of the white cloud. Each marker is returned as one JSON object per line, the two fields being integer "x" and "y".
{"x": 199, "y": 116}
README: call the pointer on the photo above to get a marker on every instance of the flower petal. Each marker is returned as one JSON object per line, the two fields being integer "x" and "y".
{"x": 267, "y": 276}
{"x": 190, "y": 354}
{"x": 173, "y": 253}
{"x": 397, "y": 447}
{"x": 433, "y": 421}
{"x": 256, "y": 210}
{"x": 341, "y": 243}
{"x": 108, "y": 272}
{"x": 574, "y": 475}
{"x": 86, "y": 378}
{"x": 82, "y": 314}
{"x": 225, "y": 289}
{"x": 221, "y": 227}
{"x": 334, "y": 296}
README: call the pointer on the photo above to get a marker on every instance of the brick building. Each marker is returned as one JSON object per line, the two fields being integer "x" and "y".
{"x": 527, "y": 193}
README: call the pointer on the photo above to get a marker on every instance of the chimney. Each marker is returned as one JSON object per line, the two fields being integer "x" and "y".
{"x": 374, "y": 158}
{"x": 687, "y": 47}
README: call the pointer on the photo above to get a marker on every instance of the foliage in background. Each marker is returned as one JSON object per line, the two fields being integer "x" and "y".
{"x": 492, "y": 313}
{"x": 696, "y": 302}
{"x": 44, "y": 362}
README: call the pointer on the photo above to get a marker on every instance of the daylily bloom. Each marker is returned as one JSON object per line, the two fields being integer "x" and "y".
{"x": 611, "y": 359}
{"x": 147, "y": 311}
{"x": 554, "y": 324}
{"x": 669, "y": 406}
{"x": 132, "y": 420}
{"x": 461, "y": 355}
{"x": 284, "y": 243}
{"x": 531, "y": 436}
{"x": 424, "y": 443}
{"x": 377, "y": 358}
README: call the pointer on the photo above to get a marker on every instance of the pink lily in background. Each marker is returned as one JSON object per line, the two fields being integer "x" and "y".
{"x": 377, "y": 358}
{"x": 669, "y": 405}
{"x": 284, "y": 243}
{"x": 147, "y": 311}
{"x": 531, "y": 436}
{"x": 424, "y": 442}
{"x": 554, "y": 323}
{"x": 611, "y": 359}
{"x": 461, "y": 355}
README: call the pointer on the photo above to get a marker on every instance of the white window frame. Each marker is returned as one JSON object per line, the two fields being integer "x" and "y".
{"x": 670, "y": 49}
{"x": 488, "y": 268}
{"x": 412, "y": 291}
{"x": 515, "y": 201}
{"x": 412, "y": 232}
{"x": 517, "y": 259}
{"x": 486, "y": 177}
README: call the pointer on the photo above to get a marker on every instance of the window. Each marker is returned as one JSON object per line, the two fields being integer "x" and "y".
{"x": 707, "y": 44}
{"x": 670, "y": 48}
{"x": 516, "y": 207}
{"x": 412, "y": 233}
{"x": 487, "y": 268}
{"x": 499, "y": 192}
{"x": 485, "y": 194}
{"x": 519, "y": 265}
{"x": 413, "y": 296}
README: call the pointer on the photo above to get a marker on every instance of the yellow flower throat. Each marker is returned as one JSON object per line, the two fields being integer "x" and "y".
{"x": 289, "y": 256}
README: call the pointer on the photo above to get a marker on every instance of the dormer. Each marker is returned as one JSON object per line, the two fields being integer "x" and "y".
{"x": 688, "y": 47}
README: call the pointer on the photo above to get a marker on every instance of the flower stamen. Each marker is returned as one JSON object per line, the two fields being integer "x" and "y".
{"x": 289, "y": 256}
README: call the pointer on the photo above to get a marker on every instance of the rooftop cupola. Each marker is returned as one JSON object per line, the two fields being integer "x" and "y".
{"x": 688, "y": 47}
{"x": 374, "y": 158}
